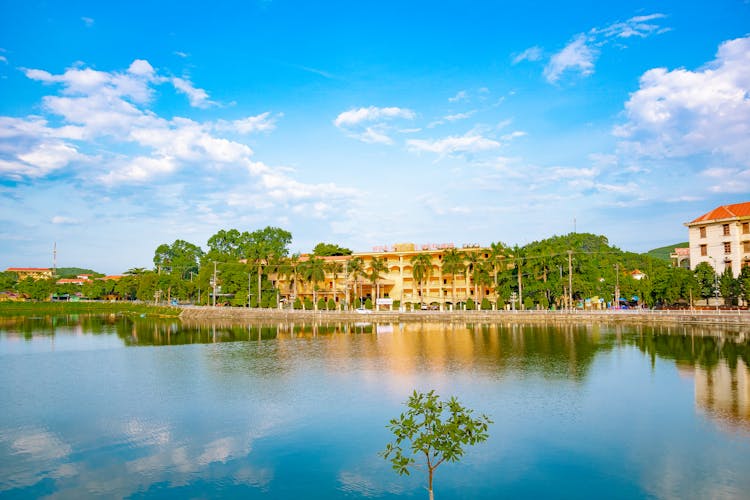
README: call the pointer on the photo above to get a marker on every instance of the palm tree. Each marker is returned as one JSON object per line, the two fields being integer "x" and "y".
{"x": 289, "y": 268}
{"x": 474, "y": 269}
{"x": 377, "y": 266}
{"x": 333, "y": 268}
{"x": 421, "y": 271}
{"x": 313, "y": 271}
{"x": 517, "y": 251}
{"x": 497, "y": 256}
{"x": 356, "y": 268}
{"x": 453, "y": 264}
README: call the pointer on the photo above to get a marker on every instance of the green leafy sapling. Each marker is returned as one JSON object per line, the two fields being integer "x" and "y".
{"x": 436, "y": 432}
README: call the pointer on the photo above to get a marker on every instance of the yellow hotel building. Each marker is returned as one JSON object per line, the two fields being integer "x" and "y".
{"x": 396, "y": 283}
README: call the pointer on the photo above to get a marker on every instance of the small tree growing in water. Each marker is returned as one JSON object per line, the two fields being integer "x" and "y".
{"x": 436, "y": 431}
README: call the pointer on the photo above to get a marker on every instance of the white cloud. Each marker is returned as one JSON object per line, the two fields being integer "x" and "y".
{"x": 580, "y": 54}
{"x": 89, "y": 22}
{"x": 140, "y": 169}
{"x": 263, "y": 122}
{"x": 468, "y": 143}
{"x": 461, "y": 96}
{"x": 530, "y": 54}
{"x": 357, "y": 116}
{"x": 577, "y": 55}
{"x": 637, "y": 26}
{"x": 49, "y": 156}
{"x": 198, "y": 97}
{"x": 371, "y": 124}
{"x": 61, "y": 219}
{"x": 680, "y": 113}
{"x": 3, "y": 59}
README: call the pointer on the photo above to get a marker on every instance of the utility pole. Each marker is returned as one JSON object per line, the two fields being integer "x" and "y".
{"x": 520, "y": 286}
{"x": 249, "y": 277}
{"x": 617, "y": 285}
{"x": 260, "y": 274}
{"x": 570, "y": 279}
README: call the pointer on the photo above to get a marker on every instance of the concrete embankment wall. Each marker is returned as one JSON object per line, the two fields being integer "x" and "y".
{"x": 242, "y": 315}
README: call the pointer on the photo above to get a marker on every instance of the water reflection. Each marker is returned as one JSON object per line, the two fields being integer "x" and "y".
{"x": 719, "y": 365}
{"x": 283, "y": 409}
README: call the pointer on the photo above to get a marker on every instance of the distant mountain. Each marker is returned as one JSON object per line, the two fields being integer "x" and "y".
{"x": 664, "y": 252}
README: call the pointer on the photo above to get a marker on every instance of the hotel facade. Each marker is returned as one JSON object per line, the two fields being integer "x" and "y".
{"x": 397, "y": 285}
{"x": 721, "y": 238}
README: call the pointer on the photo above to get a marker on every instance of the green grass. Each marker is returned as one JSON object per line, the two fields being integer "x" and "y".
{"x": 24, "y": 308}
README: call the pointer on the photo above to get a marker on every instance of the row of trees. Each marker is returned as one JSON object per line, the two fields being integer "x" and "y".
{"x": 238, "y": 267}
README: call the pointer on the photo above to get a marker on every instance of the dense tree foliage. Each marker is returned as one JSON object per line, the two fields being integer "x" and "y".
{"x": 541, "y": 274}
{"x": 330, "y": 249}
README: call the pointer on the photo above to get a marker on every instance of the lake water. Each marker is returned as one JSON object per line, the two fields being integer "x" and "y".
{"x": 118, "y": 407}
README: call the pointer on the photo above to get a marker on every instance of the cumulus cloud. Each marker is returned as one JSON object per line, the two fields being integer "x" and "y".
{"x": 108, "y": 115}
{"x": 679, "y": 113}
{"x": 371, "y": 124}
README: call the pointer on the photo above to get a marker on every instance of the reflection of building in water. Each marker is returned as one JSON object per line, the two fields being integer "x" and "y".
{"x": 724, "y": 393}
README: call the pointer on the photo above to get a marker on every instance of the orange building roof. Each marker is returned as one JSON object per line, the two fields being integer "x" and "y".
{"x": 28, "y": 269}
{"x": 725, "y": 212}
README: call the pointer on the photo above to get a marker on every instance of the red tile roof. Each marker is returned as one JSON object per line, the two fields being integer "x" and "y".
{"x": 28, "y": 269}
{"x": 725, "y": 212}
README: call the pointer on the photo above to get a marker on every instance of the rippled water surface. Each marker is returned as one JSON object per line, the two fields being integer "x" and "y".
{"x": 115, "y": 407}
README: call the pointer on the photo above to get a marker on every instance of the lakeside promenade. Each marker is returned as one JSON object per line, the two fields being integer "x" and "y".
{"x": 734, "y": 318}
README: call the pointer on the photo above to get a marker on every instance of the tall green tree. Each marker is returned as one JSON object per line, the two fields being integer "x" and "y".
{"x": 312, "y": 271}
{"x": 744, "y": 281}
{"x": 421, "y": 264}
{"x": 729, "y": 287}
{"x": 334, "y": 269}
{"x": 435, "y": 431}
{"x": 706, "y": 278}
{"x": 453, "y": 264}
{"x": 356, "y": 269}
{"x": 181, "y": 258}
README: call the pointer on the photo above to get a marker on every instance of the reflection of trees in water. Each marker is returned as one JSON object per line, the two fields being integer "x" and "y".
{"x": 695, "y": 346}
{"x": 30, "y": 326}
{"x": 158, "y": 332}
{"x": 719, "y": 365}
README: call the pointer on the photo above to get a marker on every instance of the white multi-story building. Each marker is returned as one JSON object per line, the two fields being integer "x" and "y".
{"x": 721, "y": 238}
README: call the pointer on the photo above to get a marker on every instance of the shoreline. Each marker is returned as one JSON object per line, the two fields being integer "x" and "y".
{"x": 637, "y": 316}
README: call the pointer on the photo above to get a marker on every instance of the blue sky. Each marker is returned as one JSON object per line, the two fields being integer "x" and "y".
{"x": 365, "y": 123}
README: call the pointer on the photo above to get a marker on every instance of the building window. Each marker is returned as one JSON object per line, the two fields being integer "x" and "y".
{"x": 704, "y": 250}
{"x": 725, "y": 228}
{"x": 746, "y": 246}
{"x": 746, "y": 228}
{"x": 727, "y": 247}
{"x": 703, "y": 231}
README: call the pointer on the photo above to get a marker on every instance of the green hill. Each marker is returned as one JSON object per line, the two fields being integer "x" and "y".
{"x": 664, "y": 252}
